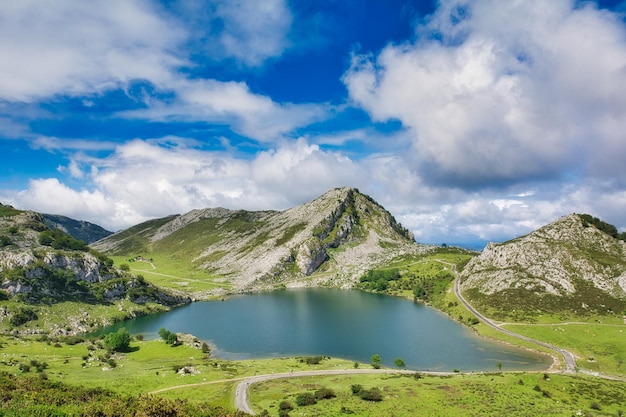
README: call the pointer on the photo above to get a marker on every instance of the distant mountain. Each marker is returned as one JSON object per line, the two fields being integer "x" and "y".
{"x": 81, "y": 230}
{"x": 331, "y": 240}
{"x": 567, "y": 267}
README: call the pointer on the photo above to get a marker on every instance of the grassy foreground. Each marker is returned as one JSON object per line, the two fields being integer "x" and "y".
{"x": 505, "y": 394}
{"x": 187, "y": 381}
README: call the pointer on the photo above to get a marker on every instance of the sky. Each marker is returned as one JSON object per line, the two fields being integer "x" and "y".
{"x": 469, "y": 120}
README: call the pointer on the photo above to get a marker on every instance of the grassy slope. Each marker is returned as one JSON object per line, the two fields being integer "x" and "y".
{"x": 461, "y": 395}
{"x": 88, "y": 315}
{"x": 149, "y": 366}
{"x": 170, "y": 273}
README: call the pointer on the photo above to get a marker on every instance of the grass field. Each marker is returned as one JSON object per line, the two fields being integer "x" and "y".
{"x": 461, "y": 395}
{"x": 598, "y": 347}
{"x": 147, "y": 366}
{"x": 169, "y": 273}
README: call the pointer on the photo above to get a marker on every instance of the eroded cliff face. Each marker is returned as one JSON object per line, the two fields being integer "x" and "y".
{"x": 24, "y": 261}
{"x": 558, "y": 259}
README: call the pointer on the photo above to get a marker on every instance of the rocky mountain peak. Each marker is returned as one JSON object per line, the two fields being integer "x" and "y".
{"x": 343, "y": 230}
{"x": 567, "y": 258}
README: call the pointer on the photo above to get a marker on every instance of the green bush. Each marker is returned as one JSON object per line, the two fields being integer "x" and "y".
{"x": 324, "y": 394}
{"x": 21, "y": 316}
{"x": 169, "y": 337}
{"x": 306, "y": 398}
{"x": 59, "y": 240}
{"x": 356, "y": 389}
{"x": 5, "y": 241}
{"x": 372, "y": 394}
{"x": 285, "y": 405}
{"x": 118, "y": 341}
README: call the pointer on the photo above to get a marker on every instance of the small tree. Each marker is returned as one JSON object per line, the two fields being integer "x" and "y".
{"x": 376, "y": 360}
{"x": 118, "y": 341}
{"x": 169, "y": 337}
{"x": 400, "y": 363}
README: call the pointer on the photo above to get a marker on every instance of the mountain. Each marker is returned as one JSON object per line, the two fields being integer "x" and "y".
{"x": 81, "y": 230}
{"x": 43, "y": 266}
{"x": 331, "y": 240}
{"x": 568, "y": 266}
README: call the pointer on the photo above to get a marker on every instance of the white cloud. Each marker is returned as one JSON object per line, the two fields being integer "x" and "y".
{"x": 514, "y": 91}
{"x": 254, "y": 30}
{"x": 74, "y": 48}
{"x": 248, "y": 114}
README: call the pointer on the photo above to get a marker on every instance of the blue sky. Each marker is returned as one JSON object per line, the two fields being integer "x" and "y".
{"x": 471, "y": 121}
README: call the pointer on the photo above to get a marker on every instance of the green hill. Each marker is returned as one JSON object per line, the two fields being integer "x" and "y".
{"x": 331, "y": 240}
{"x": 81, "y": 230}
{"x": 571, "y": 267}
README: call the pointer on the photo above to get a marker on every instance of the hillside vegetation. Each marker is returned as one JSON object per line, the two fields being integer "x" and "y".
{"x": 331, "y": 240}
{"x": 44, "y": 272}
{"x": 81, "y": 230}
{"x": 569, "y": 268}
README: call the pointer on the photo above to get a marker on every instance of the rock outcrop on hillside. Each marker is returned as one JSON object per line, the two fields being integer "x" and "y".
{"x": 563, "y": 259}
{"x": 37, "y": 271}
{"x": 342, "y": 233}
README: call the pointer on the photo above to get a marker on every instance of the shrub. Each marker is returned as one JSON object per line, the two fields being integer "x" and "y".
{"x": 118, "y": 341}
{"x": 324, "y": 394}
{"x": 313, "y": 360}
{"x": 169, "y": 337}
{"x": 285, "y": 405}
{"x": 306, "y": 398}
{"x": 5, "y": 241}
{"x": 21, "y": 316}
{"x": 356, "y": 389}
{"x": 372, "y": 394}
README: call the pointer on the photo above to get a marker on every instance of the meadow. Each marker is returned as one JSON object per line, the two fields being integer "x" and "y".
{"x": 183, "y": 373}
{"x": 167, "y": 272}
{"x": 509, "y": 394}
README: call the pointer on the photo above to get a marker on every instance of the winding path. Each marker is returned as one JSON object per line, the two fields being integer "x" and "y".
{"x": 568, "y": 357}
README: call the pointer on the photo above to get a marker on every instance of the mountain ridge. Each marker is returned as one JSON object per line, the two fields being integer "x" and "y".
{"x": 567, "y": 258}
{"x": 342, "y": 233}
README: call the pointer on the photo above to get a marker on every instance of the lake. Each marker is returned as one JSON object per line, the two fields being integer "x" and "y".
{"x": 348, "y": 324}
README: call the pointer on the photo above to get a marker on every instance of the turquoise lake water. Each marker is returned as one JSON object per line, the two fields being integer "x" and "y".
{"x": 339, "y": 323}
